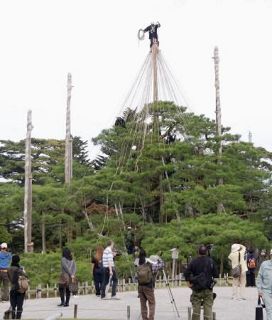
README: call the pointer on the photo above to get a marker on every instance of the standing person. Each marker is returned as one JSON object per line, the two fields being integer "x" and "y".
{"x": 251, "y": 265}
{"x": 153, "y": 34}
{"x": 109, "y": 272}
{"x": 264, "y": 285}
{"x": 237, "y": 256}
{"x": 16, "y": 297}
{"x": 200, "y": 276}
{"x": 98, "y": 269}
{"x": 146, "y": 287}
{"x": 67, "y": 276}
{"x": 129, "y": 241}
{"x": 5, "y": 259}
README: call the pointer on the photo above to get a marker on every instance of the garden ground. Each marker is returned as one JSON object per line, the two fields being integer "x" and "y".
{"x": 91, "y": 307}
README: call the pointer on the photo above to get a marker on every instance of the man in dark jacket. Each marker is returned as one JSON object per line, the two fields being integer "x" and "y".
{"x": 200, "y": 276}
{"x": 153, "y": 35}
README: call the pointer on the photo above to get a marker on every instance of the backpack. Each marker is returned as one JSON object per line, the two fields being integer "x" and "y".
{"x": 23, "y": 283}
{"x": 144, "y": 274}
{"x": 204, "y": 280}
{"x": 251, "y": 264}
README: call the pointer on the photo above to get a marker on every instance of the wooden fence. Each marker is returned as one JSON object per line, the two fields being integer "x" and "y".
{"x": 123, "y": 285}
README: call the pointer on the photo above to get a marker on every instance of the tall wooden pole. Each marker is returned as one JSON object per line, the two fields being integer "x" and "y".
{"x": 28, "y": 188}
{"x": 220, "y": 206}
{"x": 154, "y": 52}
{"x": 250, "y": 137}
{"x": 156, "y": 125}
{"x": 68, "y": 137}
{"x": 217, "y": 99}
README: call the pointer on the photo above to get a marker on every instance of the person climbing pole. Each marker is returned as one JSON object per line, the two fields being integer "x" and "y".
{"x": 153, "y": 35}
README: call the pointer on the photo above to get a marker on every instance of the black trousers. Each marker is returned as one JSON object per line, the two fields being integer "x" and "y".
{"x": 250, "y": 278}
{"x": 105, "y": 281}
{"x": 16, "y": 302}
{"x": 64, "y": 293}
{"x": 98, "y": 277}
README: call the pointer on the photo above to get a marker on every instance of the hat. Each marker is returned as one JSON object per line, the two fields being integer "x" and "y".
{"x": 235, "y": 247}
{"x": 4, "y": 245}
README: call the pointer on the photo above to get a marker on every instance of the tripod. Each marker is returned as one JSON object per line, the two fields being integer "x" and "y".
{"x": 172, "y": 300}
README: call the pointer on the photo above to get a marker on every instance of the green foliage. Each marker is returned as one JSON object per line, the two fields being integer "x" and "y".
{"x": 161, "y": 174}
{"x": 45, "y": 268}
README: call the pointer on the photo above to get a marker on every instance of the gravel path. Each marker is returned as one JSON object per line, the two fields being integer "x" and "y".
{"x": 91, "y": 307}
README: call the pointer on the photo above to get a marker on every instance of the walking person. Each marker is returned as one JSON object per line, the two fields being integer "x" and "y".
{"x": 200, "y": 275}
{"x": 264, "y": 285}
{"x": 67, "y": 277}
{"x": 5, "y": 259}
{"x": 109, "y": 271}
{"x": 237, "y": 257}
{"x": 16, "y": 297}
{"x": 146, "y": 285}
{"x": 98, "y": 270}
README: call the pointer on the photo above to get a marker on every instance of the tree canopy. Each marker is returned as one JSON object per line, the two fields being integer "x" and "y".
{"x": 159, "y": 173}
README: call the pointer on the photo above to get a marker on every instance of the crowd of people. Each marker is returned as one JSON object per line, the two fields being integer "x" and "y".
{"x": 200, "y": 275}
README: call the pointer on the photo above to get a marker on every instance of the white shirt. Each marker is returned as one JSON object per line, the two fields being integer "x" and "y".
{"x": 107, "y": 258}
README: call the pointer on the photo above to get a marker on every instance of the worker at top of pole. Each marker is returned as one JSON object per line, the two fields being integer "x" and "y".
{"x": 153, "y": 35}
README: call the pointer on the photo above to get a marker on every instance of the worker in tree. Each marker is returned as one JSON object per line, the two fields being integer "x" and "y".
{"x": 120, "y": 122}
{"x": 129, "y": 240}
{"x": 153, "y": 35}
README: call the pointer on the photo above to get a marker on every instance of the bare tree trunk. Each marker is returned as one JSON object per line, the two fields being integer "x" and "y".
{"x": 43, "y": 234}
{"x": 220, "y": 206}
{"x": 68, "y": 138}
{"x": 28, "y": 188}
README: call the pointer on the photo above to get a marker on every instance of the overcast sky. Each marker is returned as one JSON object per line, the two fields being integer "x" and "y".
{"x": 96, "y": 40}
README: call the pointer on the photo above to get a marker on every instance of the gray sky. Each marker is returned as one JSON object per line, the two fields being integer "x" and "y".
{"x": 41, "y": 41}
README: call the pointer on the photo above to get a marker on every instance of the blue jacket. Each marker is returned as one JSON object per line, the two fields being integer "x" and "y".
{"x": 5, "y": 259}
{"x": 264, "y": 279}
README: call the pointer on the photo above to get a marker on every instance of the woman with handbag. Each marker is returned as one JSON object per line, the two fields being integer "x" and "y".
{"x": 17, "y": 296}
{"x": 239, "y": 269}
{"x": 67, "y": 277}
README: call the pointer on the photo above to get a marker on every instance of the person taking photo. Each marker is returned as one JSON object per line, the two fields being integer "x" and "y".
{"x": 200, "y": 276}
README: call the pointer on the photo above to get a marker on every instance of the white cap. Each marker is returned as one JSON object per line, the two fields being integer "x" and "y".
{"x": 4, "y": 245}
{"x": 235, "y": 247}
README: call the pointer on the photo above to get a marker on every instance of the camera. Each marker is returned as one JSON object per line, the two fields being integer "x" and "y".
{"x": 117, "y": 253}
{"x": 209, "y": 247}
